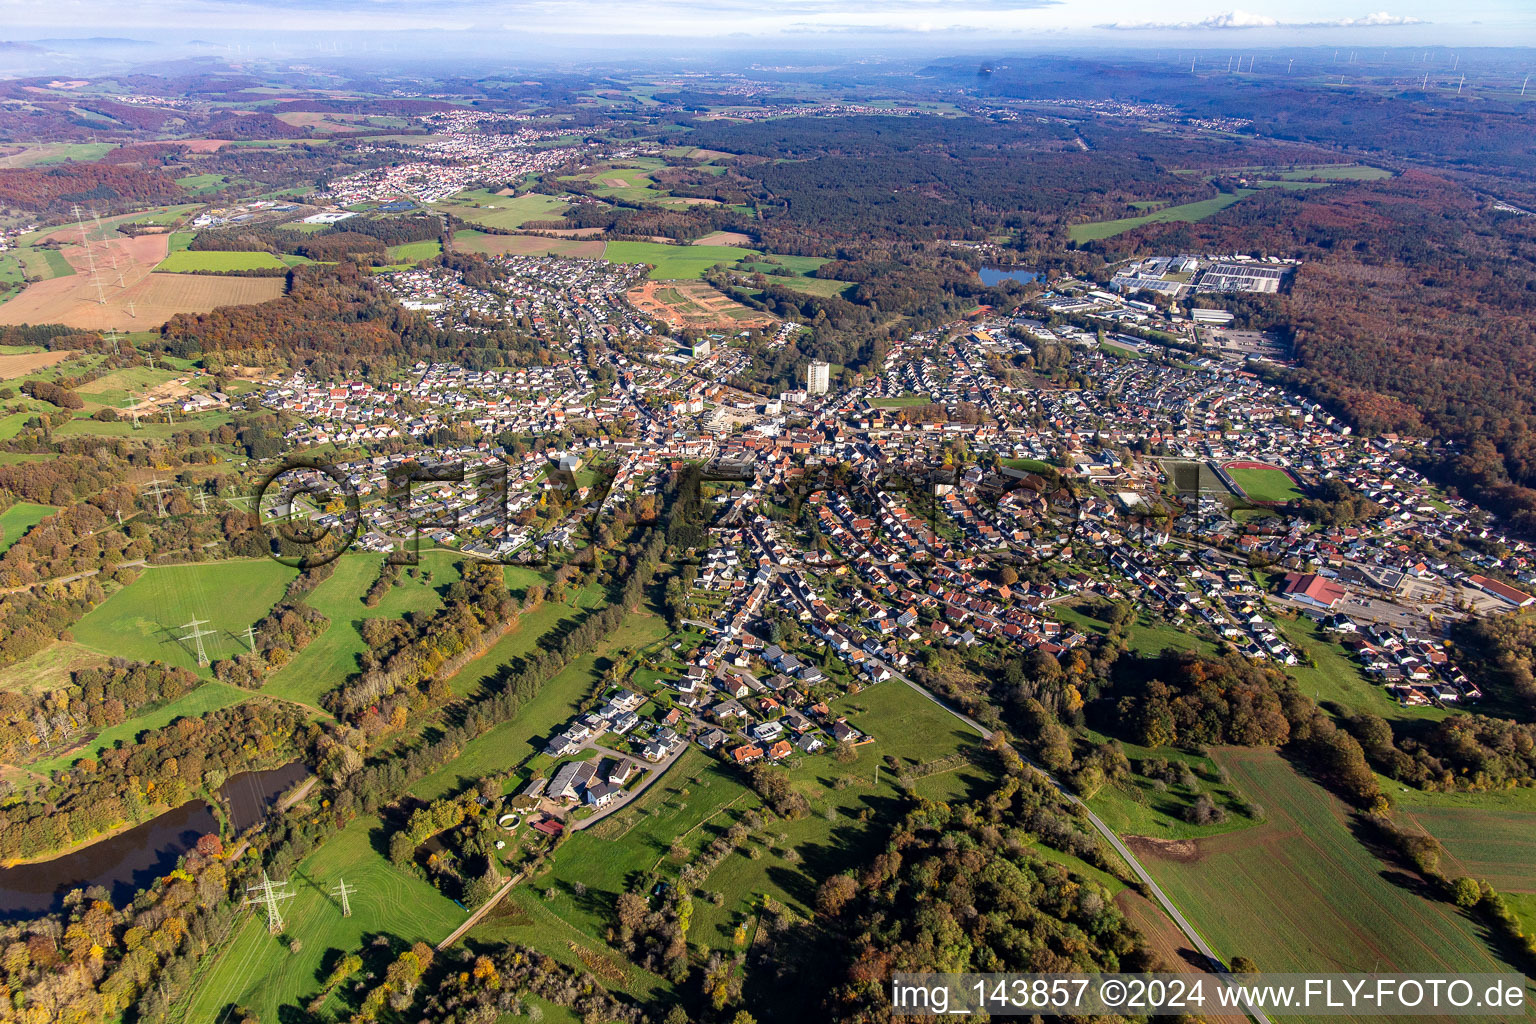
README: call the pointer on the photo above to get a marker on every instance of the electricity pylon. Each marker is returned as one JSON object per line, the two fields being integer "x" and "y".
{"x": 196, "y": 636}
{"x": 341, "y": 892}
{"x": 269, "y": 894}
{"x": 156, "y": 486}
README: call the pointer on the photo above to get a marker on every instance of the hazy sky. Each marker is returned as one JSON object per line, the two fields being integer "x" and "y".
{"x": 1110, "y": 22}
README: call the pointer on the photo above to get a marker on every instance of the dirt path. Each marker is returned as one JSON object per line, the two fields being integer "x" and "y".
{"x": 484, "y": 909}
{"x": 282, "y": 805}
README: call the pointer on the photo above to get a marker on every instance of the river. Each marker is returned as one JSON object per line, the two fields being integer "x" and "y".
{"x": 123, "y": 864}
{"x": 250, "y": 795}
{"x": 129, "y": 861}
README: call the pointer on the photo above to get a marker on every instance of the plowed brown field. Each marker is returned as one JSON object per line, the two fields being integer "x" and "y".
{"x": 113, "y": 287}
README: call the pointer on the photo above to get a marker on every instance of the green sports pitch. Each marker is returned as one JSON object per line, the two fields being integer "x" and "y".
{"x": 1259, "y": 482}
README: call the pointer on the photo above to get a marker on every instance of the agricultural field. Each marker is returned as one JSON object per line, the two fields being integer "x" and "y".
{"x": 105, "y": 229}
{"x": 723, "y": 238}
{"x": 325, "y": 123}
{"x": 189, "y": 262}
{"x": 47, "y": 153}
{"x": 1183, "y": 213}
{"x": 1491, "y": 836}
{"x": 1301, "y": 892}
{"x": 694, "y": 304}
{"x": 1263, "y": 483}
{"x": 502, "y": 212}
{"x": 144, "y": 620}
{"x": 19, "y": 265}
{"x": 20, "y": 364}
{"x": 18, "y": 519}
{"x": 526, "y": 245}
{"x": 675, "y": 262}
{"x": 258, "y": 970}
{"x": 114, "y": 288}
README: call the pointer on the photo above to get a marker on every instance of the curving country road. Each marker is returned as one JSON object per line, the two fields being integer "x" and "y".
{"x": 1104, "y": 830}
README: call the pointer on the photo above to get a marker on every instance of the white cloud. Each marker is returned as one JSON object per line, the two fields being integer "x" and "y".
{"x": 1247, "y": 20}
{"x": 1379, "y": 18}
{"x": 1238, "y": 19}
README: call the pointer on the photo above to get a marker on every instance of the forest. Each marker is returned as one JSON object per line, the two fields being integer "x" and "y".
{"x": 413, "y": 652}
{"x": 54, "y": 189}
{"x": 1501, "y": 650}
{"x": 825, "y": 183}
{"x": 32, "y": 724}
{"x": 166, "y": 766}
{"x": 963, "y": 888}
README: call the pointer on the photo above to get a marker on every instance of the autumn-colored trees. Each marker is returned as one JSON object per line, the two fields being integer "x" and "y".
{"x": 960, "y": 888}
{"x": 165, "y": 767}
{"x": 55, "y": 188}
{"x": 34, "y": 724}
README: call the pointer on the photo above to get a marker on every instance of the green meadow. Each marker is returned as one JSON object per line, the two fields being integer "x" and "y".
{"x": 327, "y": 662}
{"x": 1185, "y": 212}
{"x": 415, "y": 252}
{"x": 18, "y": 519}
{"x": 188, "y": 261}
{"x": 506, "y": 212}
{"x": 145, "y": 619}
{"x": 675, "y": 262}
{"x": 257, "y": 970}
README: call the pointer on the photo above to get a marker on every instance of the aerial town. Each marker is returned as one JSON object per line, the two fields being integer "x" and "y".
{"x": 757, "y": 536}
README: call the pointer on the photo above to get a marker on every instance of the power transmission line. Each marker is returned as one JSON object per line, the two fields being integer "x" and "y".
{"x": 342, "y": 891}
{"x": 196, "y": 636}
{"x": 269, "y": 894}
{"x": 90, "y": 259}
{"x": 156, "y": 486}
